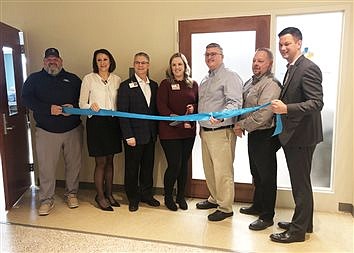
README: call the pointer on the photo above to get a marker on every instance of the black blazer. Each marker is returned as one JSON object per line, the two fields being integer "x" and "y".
{"x": 302, "y": 92}
{"x": 132, "y": 99}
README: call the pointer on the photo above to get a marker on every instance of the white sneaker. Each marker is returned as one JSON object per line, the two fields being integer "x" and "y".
{"x": 46, "y": 208}
{"x": 72, "y": 200}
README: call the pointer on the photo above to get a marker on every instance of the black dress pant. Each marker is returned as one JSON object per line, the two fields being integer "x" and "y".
{"x": 262, "y": 148}
{"x": 139, "y": 165}
{"x": 177, "y": 152}
{"x": 299, "y": 160}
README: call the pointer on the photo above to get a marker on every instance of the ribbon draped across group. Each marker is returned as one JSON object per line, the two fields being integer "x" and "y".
{"x": 190, "y": 117}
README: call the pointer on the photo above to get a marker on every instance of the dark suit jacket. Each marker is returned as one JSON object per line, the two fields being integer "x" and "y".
{"x": 302, "y": 92}
{"x": 132, "y": 99}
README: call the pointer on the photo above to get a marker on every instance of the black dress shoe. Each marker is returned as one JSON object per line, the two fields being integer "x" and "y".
{"x": 260, "y": 224}
{"x": 286, "y": 225}
{"x": 206, "y": 205}
{"x": 287, "y": 237}
{"x": 219, "y": 215}
{"x": 249, "y": 210}
{"x": 170, "y": 204}
{"x": 133, "y": 207}
{"x": 151, "y": 201}
{"x": 103, "y": 207}
{"x": 182, "y": 203}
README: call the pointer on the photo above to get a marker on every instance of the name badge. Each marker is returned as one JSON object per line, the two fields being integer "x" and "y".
{"x": 133, "y": 85}
{"x": 175, "y": 86}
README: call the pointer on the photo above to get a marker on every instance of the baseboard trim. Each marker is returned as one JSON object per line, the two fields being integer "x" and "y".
{"x": 346, "y": 207}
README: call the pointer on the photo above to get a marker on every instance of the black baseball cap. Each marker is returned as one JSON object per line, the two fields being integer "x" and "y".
{"x": 51, "y": 52}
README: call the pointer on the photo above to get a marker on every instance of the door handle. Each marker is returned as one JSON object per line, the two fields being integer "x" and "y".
{"x": 6, "y": 127}
{"x": 9, "y": 128}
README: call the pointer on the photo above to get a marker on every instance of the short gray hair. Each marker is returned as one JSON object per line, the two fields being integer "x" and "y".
{"x": 215, "y": 45}
{"x": 142, "y": 54}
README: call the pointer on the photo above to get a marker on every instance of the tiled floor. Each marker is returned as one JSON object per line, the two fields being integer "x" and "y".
{"x": 88, "y": 229}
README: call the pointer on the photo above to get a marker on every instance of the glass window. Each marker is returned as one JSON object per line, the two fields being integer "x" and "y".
{"x": 321, "y": 44}
{"x": 10, "y": 80}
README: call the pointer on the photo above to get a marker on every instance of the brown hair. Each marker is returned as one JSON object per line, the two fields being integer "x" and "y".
{"x": 187, "y": 70}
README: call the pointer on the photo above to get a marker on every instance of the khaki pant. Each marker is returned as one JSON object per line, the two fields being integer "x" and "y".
{"x": 49, "y": 147}
{"x": 218, "y": 152}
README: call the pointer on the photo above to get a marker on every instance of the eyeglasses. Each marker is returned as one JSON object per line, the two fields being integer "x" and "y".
{"x": 211, "y": 54}
{"x": 141, "y": 62}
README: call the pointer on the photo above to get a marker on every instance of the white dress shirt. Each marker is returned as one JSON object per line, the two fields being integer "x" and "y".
{"x": 96, "y": 90}
{"x": 145, "y": 87}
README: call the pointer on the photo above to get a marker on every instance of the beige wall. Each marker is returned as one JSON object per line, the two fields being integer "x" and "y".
{"x": 124, "y": 28}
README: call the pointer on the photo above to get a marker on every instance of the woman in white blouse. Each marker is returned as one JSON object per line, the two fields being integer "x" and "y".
{"x": 99, "y": 91}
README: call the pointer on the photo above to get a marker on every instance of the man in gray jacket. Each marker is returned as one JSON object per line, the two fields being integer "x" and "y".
{"x": 262, "y": 147}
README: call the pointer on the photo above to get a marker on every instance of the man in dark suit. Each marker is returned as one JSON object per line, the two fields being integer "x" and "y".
{"x": 138, "y": 95}
{"x": 300, "y": 105}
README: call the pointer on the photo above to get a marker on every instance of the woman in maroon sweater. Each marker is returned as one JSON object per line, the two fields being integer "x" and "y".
{"x": 177, "y": 95}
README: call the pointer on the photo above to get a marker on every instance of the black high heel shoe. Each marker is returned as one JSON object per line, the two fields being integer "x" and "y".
{"x": 107, "y": 208}
{"x": 112, "y": 201}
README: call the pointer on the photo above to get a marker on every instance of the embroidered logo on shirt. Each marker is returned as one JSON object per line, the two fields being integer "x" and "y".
{"x": 66, "y": 80}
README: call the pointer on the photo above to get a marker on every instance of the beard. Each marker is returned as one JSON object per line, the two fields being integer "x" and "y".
{"x": 53, "y": 69}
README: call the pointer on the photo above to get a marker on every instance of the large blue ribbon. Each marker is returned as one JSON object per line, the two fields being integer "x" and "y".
{"x": 190, "y": 117}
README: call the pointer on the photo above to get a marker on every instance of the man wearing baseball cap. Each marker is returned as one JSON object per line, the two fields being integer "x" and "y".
{"x": 45, "y": 93}
{"x": 51, "y": 52}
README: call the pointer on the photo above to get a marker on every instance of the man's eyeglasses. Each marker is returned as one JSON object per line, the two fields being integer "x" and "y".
{"x": 141, "y": 62}
{"x": 211, "y": 54}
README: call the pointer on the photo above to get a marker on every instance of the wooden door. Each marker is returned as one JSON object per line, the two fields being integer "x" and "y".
{"x": 259, "y": 24}
{"x": 13, "y": 120}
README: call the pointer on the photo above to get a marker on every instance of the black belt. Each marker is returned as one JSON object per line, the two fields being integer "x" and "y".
{"x": 217, "y": 128}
